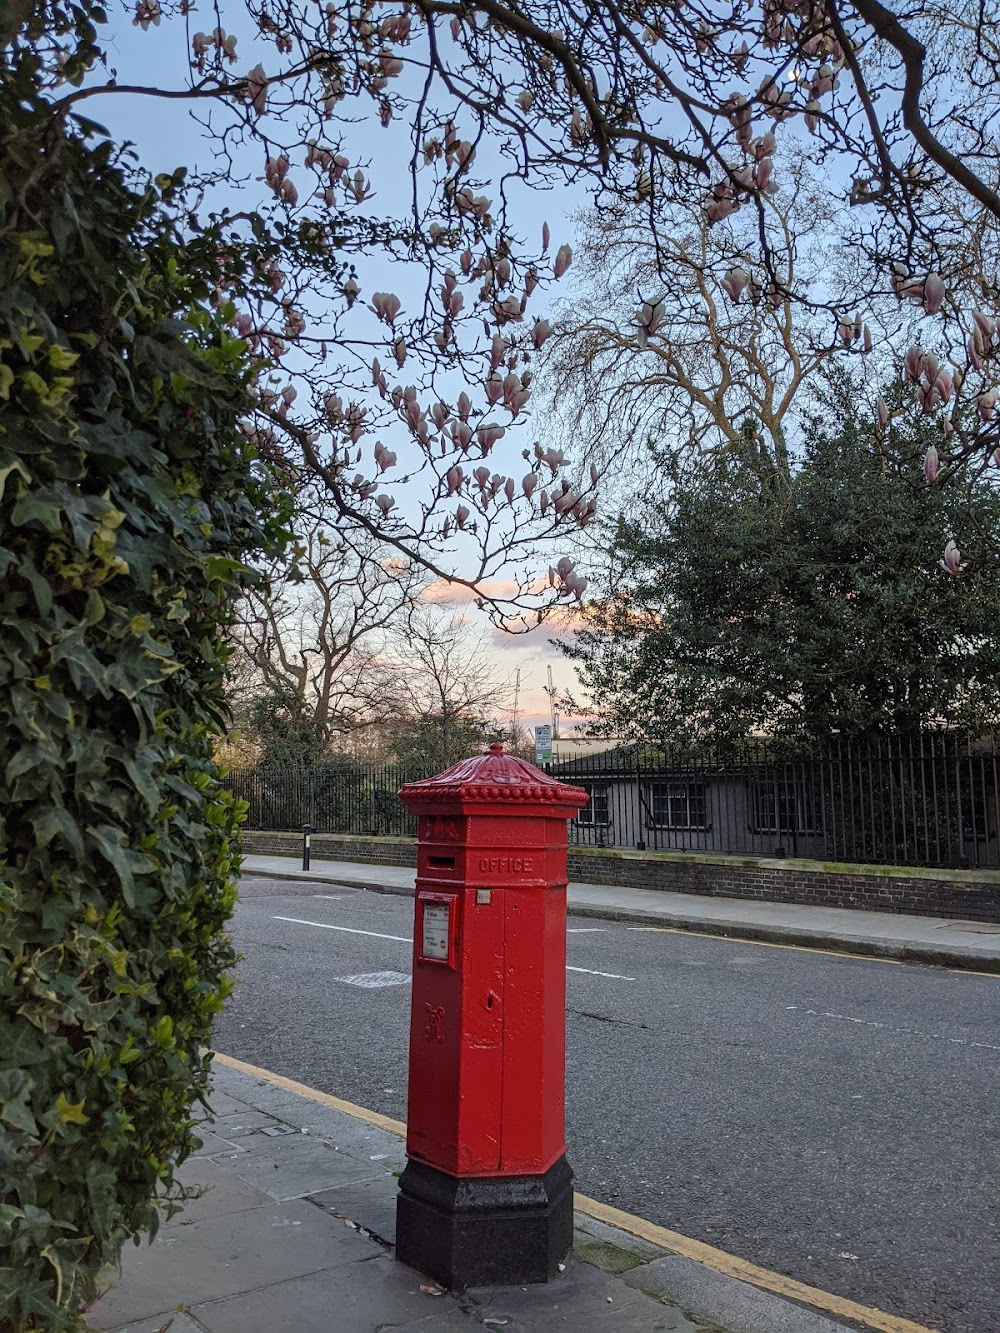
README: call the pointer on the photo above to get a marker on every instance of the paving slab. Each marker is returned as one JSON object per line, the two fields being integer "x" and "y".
{"x": 355, "y": 1298}
{"x": 225, "y": 1256}
{"x": 224, "y": 1193}
{"x": 169, "y": 1321}
{"x": 372, "y": 1205}
{"x": 301, "y": 1164}
{"x": 241, "y": 1123}
{"x": 582, "y": 1297}
{"x": 736, "y": 1307}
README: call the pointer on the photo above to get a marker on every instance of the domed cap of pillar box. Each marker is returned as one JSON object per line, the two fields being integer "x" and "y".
{"x": 494, "y": 779}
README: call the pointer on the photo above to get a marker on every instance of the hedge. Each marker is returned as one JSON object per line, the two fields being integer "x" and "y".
{"x": 129, "y": 506}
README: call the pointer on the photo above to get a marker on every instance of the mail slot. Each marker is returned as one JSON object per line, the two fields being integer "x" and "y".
{"x": 486, "y": 1196}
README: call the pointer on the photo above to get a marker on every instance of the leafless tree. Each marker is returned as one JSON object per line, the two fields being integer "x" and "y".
{"x": 448, "y": 691}
{"x": 317, "y": 640}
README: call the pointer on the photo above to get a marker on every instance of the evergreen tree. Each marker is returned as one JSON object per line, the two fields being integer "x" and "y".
{"x": 751, "y": 602}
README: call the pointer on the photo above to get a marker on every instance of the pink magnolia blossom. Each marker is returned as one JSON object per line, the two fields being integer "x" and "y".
{"x": 384, "y": 458}
{"x": 931, "y": 465}
{"x": 399, "y": 351}
{"x": 541, "y": 331}
{"x": 147, "y": 12}
{"x": 256, "y": 88}
{"x": 488, "y": 434}
{"x": 564, "y": 257}
{"x": 986, "y": 327}
{"x": 507, "y": 311}
{"x": 359, "y": 186}
{"x": 913, "y": 363}
{"x": 386, "y": 306}
{"x": 985, "y": 404}
{"x": 650, "y": 319}
{"x": 934, "y": 293}
{"x": 351, "y": 289}
{"x": 385, "y": 503}
{"x": 464, "y": 406}
{"x": 525, "y": 100}
{"x": 952, "y": 558}
{"x": 461, "y": 516}
{"x": 882, "y": 412}
{"x": 734, "y": 283}
{"x": 528, "y": 484}
{"x": 454, "y": 478}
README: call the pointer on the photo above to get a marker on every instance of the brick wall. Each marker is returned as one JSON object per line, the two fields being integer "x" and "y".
{"x": 964, "y": 894}
{"x": 334, "y": 847}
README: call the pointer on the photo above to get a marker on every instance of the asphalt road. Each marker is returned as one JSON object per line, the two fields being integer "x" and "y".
{"x": 836, "y": 1119}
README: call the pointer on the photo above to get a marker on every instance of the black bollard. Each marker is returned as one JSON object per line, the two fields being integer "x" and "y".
{"x": 306, "y": 831}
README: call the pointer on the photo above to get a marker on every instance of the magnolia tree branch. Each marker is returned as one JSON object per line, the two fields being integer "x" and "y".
{"x": 413, "y": 410}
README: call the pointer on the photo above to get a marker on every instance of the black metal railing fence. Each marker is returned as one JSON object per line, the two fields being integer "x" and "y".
{"x": 929, "y": 800}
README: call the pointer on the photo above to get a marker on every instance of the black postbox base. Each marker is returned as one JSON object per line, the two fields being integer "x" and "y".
{"x": 472, "y": 1232}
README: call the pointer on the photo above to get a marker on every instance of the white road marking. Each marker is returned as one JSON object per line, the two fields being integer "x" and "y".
{"x": 375, "y": 980}
{"x": 584, "y": 930}
{"x": 614, "y": 976}
{"x": 330, "y": 897}
{"x": 348, "y": 930}
{"x": 403, "y": 939}
{"x": 888, "y": 1027}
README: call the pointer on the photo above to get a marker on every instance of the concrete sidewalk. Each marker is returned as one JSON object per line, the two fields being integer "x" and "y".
{"x": 919, "y": 939}
{"x": 295, "y": 1229}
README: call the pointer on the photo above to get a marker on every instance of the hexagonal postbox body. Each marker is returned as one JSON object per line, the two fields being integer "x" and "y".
{"x": 486, "y": 1196}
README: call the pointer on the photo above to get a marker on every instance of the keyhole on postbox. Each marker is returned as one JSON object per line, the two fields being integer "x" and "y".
{"x": 490, "y": 999}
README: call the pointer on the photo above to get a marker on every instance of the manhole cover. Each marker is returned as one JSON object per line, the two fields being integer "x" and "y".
{"x": 374, "y": 980}
{"x": 273, "y": 1130}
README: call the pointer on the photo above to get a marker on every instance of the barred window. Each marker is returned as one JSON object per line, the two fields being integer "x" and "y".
{"x": 677, "y": 805}
{"x": 598, "y": 808}
{"x": 784, "y": 805}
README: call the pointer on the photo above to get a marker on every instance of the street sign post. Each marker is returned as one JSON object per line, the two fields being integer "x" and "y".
{"x": 543, "y": 744}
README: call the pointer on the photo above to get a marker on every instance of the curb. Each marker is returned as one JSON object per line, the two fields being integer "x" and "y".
{"x": 900, "y": 951}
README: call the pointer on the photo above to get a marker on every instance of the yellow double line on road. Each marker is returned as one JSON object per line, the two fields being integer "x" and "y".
{"x": 707, "y": 1255}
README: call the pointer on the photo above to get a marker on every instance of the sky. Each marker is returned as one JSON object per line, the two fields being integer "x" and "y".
{"x": 165, "y": 136}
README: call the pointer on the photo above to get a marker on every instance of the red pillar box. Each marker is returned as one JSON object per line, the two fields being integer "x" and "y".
{"x": 486, "y": 1196}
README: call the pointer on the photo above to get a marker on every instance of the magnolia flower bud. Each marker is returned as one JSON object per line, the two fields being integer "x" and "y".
{"x": 987, "y": 328}
{"x": 913, "y": 363}
{"x": 734, "y": 283}
{"x": 931, "y": 465}
{"x": 564, "y": 257}
{"x": 933, "y": 293}
{"x": 882, "y": 413}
